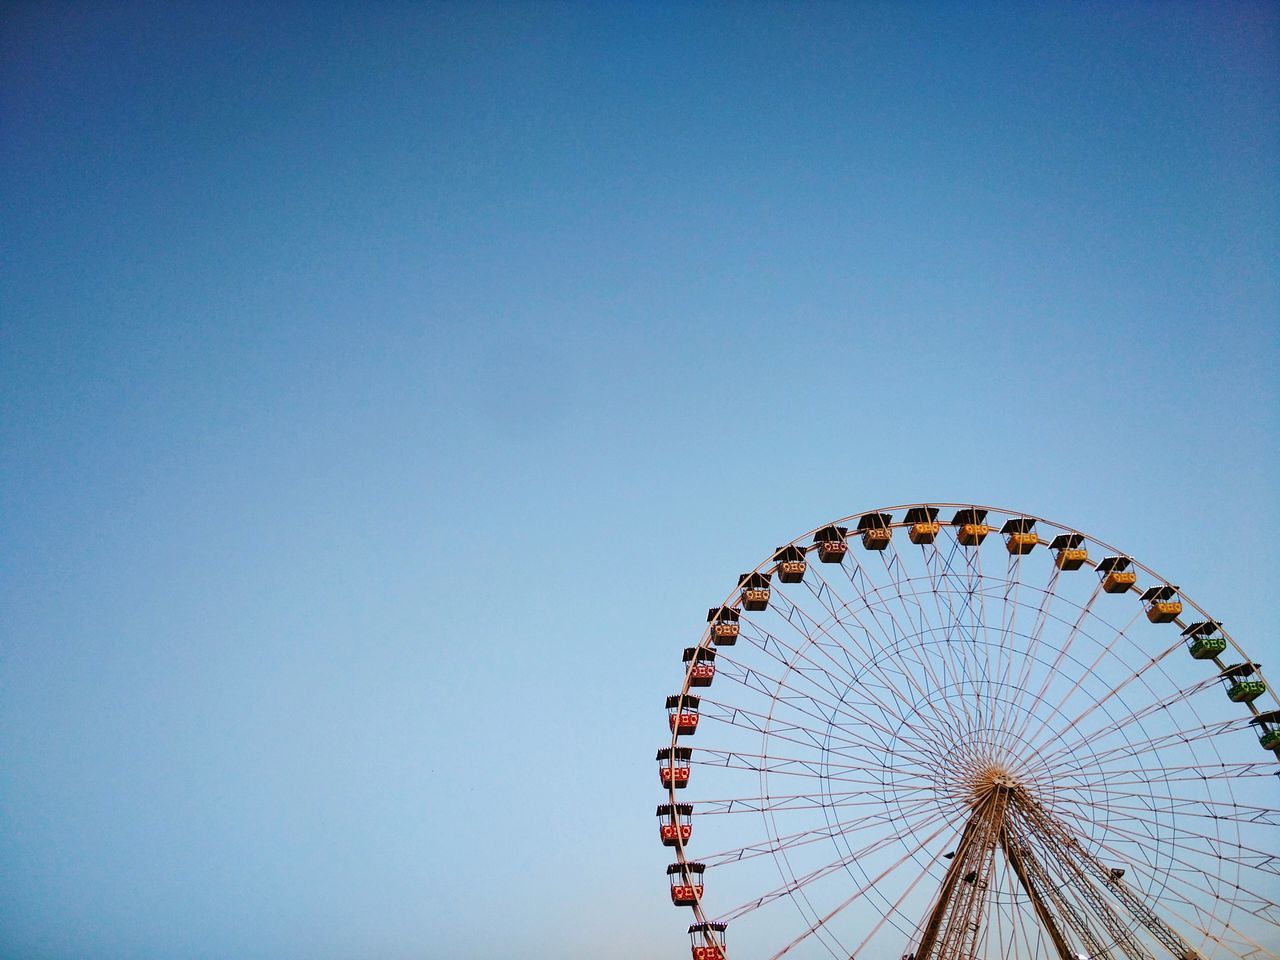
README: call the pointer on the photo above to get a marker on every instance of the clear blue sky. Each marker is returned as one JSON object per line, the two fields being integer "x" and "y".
{"x": 386, "y": 393}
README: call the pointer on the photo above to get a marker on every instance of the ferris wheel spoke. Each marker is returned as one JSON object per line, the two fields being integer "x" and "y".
{"x": 1107, "y": 653}
{"x": 821, "y": 640}
{"x": 1097, "y": 760}
{"x": 967, "y": 618}
{"x": 1203, "y": 806}
{"x": 1193, "y": 772}
{"x": 1064, "y": 650}
{"x": 975, "y": 670}
{"x": 1196, "y": 896}
{"x": 977, "y": 587}
{"x": 1267, "y": 913}
{"x": 893, "y": 564}
{"x": 785, "y": 803}
{"x": 1138, "y": 840}
{"x": 842, "y": 828}
{"x": 942, "y": 708}
{"x": 771, "y": 686}
{"x": 895, "y": 909}
{"x": 799, "y": 767}
{"x": 1029, "y": 657}
{"x": 1134, "y": 715}
{"x": 870, "y": 664}
{"x": 1212, "y": 847}
{"x": 782, "y": 729}
{"x": 897, "y": 711}
{"x": 826, "y": 870}
{"x": 861, "y": 891}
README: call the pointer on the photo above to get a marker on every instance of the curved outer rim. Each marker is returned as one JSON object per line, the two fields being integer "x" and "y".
{"x": 734, "y": 601}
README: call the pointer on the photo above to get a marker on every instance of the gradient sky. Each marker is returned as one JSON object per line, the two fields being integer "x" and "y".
{"x": 387, "y": 390}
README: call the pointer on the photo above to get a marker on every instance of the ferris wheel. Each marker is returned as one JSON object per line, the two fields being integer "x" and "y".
{"x": 952, "y": 732}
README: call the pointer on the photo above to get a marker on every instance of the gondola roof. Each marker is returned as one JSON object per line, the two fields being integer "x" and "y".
{"x": 690, "y": 702}
{"x": 690, "y": 867}
{"x": 1018, "y": 525}
{"x": 1109, "y": 564}
{"x": 922, "y": 515}
{"x": 1240, "y": 670}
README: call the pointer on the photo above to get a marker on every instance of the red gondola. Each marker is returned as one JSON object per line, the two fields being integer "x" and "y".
{"x": 686, "y": 883}
{"x": 682, "y": 714}
{"x": 708, "y": 941}
{"x": 673, "y": 766}
{"x": 675, "y": 823}
{"x": 700, "y": 662}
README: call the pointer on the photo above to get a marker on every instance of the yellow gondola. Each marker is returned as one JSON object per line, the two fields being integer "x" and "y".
{"x": 924, "y": 524}
{"x": 1163, "y": 605}
{"x": 1116, "y": 575}
{"x": 1068, "y": 551}
{"x": 1020, "y": 535}
{"x": 971, "y": 524}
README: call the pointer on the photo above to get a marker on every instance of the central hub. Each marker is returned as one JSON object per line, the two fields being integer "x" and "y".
{"x": 988, "y": 779}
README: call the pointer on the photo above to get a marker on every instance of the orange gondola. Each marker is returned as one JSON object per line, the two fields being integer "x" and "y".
{"x": 875, "y": 530}
{"x": 755, "y": 590}
{"x": 791, "y": 563}
{"x": 832, "y": 543}
{"x": 724, "y": 625}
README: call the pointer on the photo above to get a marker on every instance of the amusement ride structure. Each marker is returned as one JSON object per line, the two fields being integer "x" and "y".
{"x": 951, "y": 732}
